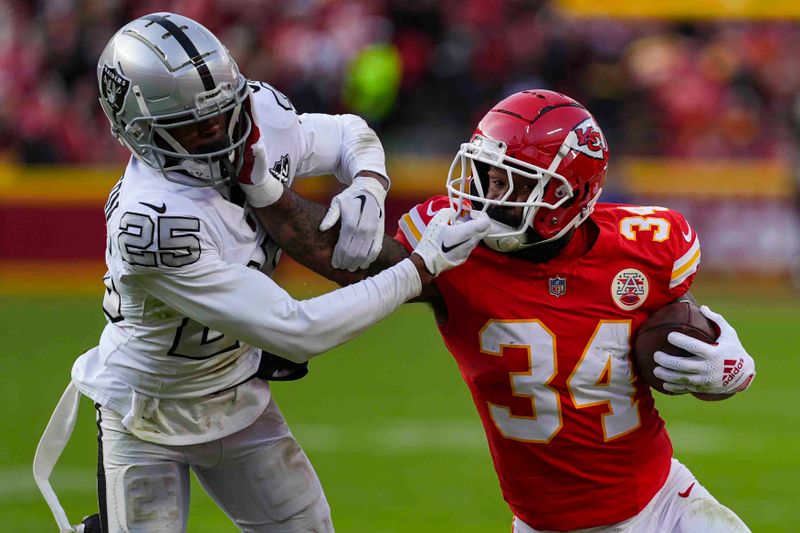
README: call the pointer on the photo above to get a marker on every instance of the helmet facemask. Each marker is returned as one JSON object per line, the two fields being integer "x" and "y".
{"x": 151, "y": 137}
{"x": 467, "y": 192}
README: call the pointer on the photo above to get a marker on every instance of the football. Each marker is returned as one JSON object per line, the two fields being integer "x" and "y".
{"x": 683, "y": 317}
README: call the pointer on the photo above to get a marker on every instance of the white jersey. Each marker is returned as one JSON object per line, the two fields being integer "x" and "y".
{"x": 188, "y": 304}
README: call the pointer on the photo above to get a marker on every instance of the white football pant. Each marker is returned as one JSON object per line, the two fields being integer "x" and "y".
{"x": 259, "y": 477}
{"x": 682, "y": 505}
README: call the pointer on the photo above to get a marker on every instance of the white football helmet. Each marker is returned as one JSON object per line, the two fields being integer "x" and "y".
{"x": 163, "y": 71}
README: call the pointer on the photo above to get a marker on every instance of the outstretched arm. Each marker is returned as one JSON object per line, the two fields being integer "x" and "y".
{"x": 293, "y": 223}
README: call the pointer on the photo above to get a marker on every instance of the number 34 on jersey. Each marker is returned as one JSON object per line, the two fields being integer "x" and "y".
{"x": 603, "y": 375}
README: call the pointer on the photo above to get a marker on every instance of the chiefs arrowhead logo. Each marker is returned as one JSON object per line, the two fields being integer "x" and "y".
{"x": 587, "y": 138}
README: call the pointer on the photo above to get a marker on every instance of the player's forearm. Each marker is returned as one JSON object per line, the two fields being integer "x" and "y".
{"x": 293, "y": 223}
{"x": 246, "y": 305}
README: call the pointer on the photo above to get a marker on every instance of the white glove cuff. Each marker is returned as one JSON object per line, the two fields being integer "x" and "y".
{"x": 264, "y": 194}
{"x": 372, "y": 186}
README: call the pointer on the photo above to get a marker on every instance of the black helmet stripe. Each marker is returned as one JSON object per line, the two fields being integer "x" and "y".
{"x": 541, "y": 112}
{"x": 188, "y": 46}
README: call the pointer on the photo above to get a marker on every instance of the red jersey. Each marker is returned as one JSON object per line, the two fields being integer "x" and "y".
{"x": 574, "y": 434}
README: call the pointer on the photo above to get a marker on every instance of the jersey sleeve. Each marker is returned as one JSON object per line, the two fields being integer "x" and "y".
{"x": 313, "y": 144}
{"x": 241, "y": 302}
{"x": 343, "y": 145}
{"x": 278, "y": 129}
{"x": 687, "y": 253}
{"x": 412, "y": 225}
{"x": 665, "y": 240}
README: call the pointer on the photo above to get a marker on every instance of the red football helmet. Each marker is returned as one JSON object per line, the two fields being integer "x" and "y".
{"x": 547, "y": 137}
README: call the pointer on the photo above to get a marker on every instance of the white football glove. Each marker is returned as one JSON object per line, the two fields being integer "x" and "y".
{"x": 720, "y": 368}
{"x": 360, "y": 207}
{"x": 255, "y": 180}
{"x": 444, "y": 246}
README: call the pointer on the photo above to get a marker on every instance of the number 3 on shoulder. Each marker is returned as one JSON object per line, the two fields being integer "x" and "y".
{"x": 630, "y": 226}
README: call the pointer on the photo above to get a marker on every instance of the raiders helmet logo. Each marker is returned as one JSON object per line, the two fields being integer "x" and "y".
{"x": 114, "y": 88}
{"x": 587, "y": 138}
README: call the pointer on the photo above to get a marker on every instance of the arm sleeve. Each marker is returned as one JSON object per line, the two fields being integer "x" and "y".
{"x": 343, "y": 145}
{"x": 242, "y": 302}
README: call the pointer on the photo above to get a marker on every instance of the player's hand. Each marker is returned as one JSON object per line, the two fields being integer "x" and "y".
{"x": 444, "y": 246}
{"x": 260, "y": 187}
{"x": 720, "y": 368}
{"x": 360, "y": 206}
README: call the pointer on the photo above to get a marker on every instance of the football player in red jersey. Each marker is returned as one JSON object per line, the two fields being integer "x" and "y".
{"x": 541, "y": 318}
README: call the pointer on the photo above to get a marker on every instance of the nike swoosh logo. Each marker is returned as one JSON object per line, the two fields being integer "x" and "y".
{"x": 685, "y": 494}
{"x": 430, "y": 211}
{"x": 687, "y": 236}
{"x": 446, "y": 248}
{"x": 363, "y": 200}
{"x": 158, "y": 209}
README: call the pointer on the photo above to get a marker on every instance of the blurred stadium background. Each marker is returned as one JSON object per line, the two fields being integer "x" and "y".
{"x": 700, "y": 102}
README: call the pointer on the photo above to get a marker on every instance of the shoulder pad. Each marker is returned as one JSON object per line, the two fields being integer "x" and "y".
{"x": 271, "y": 108}
{"x": 157, "y": 203}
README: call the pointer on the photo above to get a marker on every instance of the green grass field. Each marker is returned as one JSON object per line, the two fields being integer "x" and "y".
{"x": 392, "y": 431}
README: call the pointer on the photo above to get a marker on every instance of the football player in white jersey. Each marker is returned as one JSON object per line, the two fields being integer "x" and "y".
{"x": 194, "y": 323}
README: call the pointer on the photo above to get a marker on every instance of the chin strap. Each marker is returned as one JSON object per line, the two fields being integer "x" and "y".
{"x": 519, "y": 240}
{"x": 504, "y": 243}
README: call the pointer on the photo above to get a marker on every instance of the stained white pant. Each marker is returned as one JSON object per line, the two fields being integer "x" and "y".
{"x": 671, "y": 510}
{"x": 260, "y": 477}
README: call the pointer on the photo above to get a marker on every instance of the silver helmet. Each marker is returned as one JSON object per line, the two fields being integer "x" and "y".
{"x": 164, "y": 71}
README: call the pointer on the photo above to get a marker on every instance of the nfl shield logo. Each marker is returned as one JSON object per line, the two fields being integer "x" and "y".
{"x": 558, "y": 286}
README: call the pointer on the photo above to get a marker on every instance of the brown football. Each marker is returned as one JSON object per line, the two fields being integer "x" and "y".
{"x": 684, "y": 317}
